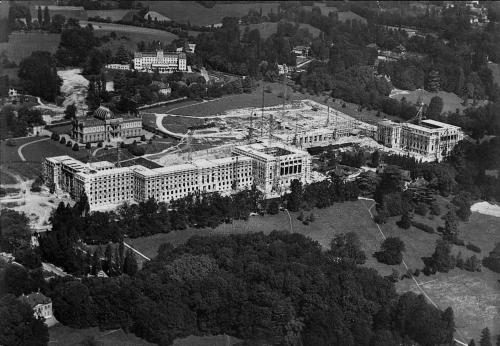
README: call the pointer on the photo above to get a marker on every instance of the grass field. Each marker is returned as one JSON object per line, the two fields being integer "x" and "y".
{"x": 180, "y": 124}
{"x": 475, "y": 297}
{"x": 450, "y": 100}
{"x": 114, "y": 15}
{"x": 34, "y": 155}
{"x": 266, "y": 29}
{"x": 22, "y": 44}
{"x": 65, "y": 336}
{"x": 134, "y": 33}
{"x": 184, "y": 11}
{"x": 226, "y": 103}
{"x": 495, "y": 71}
{"x": 6, "y": 178}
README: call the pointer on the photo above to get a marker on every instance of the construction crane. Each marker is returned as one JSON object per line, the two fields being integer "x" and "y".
{"x": 250, "y": 128}
{"x": 118, "y": 163}
{"x": 262, "y": 115}
{"x": 189, "y": 144}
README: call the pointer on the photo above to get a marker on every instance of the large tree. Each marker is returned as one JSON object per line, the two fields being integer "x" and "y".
{"x": 18, "y": 325}
{"x": 39, "y": 75}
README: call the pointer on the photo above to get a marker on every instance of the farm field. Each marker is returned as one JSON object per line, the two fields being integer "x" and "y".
{"x": 60, "y": 335}
{"x": 266, "y": 29}
{"x": 129, "y": 36}
{"x": 184, "y": 11}
{"x": 22, "y": 44}
{"x": 114, "y": 15}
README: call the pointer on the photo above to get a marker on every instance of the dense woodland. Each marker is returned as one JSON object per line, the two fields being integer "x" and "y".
{"x": 279, "y": 289}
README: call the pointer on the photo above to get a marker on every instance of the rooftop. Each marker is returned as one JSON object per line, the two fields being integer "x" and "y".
{"x": 34, "y": 299}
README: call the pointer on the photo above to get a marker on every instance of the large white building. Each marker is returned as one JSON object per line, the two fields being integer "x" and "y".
{"x": 431, "y": 139}
{"x": 271, "y": 168}
{"x": 275, "y": 165}
{"x": 164, "y": 62}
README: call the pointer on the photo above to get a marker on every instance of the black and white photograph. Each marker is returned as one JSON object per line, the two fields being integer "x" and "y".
{"x": 249, "y": 173}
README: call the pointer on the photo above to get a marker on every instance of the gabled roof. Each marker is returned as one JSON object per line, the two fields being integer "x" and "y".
{"x": 34, "y": 299}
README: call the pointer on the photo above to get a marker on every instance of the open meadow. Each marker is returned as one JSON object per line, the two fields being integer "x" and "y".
{"x": 60, "y": 335}
{"x": 451, "y": 101}
{"x": 196, "y": 14}
{"x": 475, "y": 297}
{"x": 22, "y": 44}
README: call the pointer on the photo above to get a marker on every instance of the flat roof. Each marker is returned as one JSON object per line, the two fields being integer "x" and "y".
{"x": 439, "y": 124}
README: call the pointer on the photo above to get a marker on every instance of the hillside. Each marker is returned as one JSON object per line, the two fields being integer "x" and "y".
{"x": 184, "y": 11}
{"x": 266, "y": 29}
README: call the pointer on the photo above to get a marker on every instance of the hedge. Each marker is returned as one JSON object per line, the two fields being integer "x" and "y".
{"x": 423, "y": 227}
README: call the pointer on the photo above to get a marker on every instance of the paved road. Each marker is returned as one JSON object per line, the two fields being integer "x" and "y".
{"x": 20, "y": 149}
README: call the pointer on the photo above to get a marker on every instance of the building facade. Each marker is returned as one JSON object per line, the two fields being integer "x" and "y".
{"x": 275, "y": 165}
{"x": 41, "y": 305}
{"x": 164, "y": 62}
{"x": 105, "y": 126}
{"x": 431, "y": 139}
{"x": 271, "y": 168}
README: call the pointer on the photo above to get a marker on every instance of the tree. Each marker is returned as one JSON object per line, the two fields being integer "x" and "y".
{"x": 18, "y": 325}
{"x": 70, "y": 112}
{"x": 15, "y": 232}
{"x": 295, "y": 196}
{"x": 40, "y": 16}
{"x": 391, "y": 251}
{"x": 375, "y": 158}
{"x": 472, "y": 343}
{"x": 485, "y": 337}
{"x": 273, "y": 207}
{"x": 405, "y": 221}
{"x": 46, "y": 18}
{"x": 348, "y": 247}
{"x": 73, "y": 306}
{"x": 451, "y": 224}
{"x": 76, "y": 147}
{"x": 39, "y": 75}
{"x": 58, "y": 22}
{"x": 435, "y": 107}
{"x": 441, "y": 260}
{"x": 130, "y": 263}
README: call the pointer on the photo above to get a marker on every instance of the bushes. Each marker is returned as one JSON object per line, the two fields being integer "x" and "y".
{"x": 421, "y": 209}
{"x": 405, "y": 221}
{"x": 69, "y": 143}
{"x": 423, "y": 226}
{"x": 37, "y": 185}
{"x": 63, "y": 140}
{"x": 88, "y": 145}
{"x": 492, "y": 262}
{"x": 76, "y": 147}
{"x": 391, "y": 251}
{"x": 473, "y": 247}
{"x": 136, "y": 150}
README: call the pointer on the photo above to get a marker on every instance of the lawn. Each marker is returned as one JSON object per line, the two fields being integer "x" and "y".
{"x": 475, "y": 297}
{"x": 225, "y": 103}
{"x": 6, "y": 178}
{"x": 34, "y": 155}
{"x": 22, "y": 44}
{"x": 495, "y": 71}
{"x": 62, "y": 335}
{"x": 450, "y": 100}
{"x": 180, "y": 124}
{"x": 196, "y": 14}
{"x": 133, "y": 34}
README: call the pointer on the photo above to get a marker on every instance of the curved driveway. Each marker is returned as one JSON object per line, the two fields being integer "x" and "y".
{"x": 20, "y": 149}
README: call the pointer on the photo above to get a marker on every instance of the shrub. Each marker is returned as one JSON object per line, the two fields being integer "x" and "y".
{"x": 492, "y": 262}
{"x": 99, "y": 144}
{"x": 69, "y": 143}
{"x": 421, "y": 209}
{"x": 88, "y": 145}
{"x": 391, "y": 251}
{"x": 305, "y": 222}
{"x": 63, "y": 140}
{"x": 405, "y": 221}
{"x": 143, "y": 138}
{"x": 473, "y": 247}
{"x": 76, "y": 147}
{"x": 456, "y": 241}
{"x": 301, "y": 216}
{"x": 423, "y": 226}
{"x": 416, "y": 272}
{"x": 435, "y": 209}
{"x": 136, "y": 150}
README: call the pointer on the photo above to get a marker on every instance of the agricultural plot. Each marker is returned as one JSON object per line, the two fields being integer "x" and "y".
{"x": 135, "y": 34}
{"x": 184, "y": 11}
{"x": 22, "y": 44}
